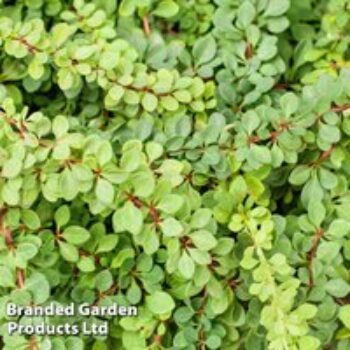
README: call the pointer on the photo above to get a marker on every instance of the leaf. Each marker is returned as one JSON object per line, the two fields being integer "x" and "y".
{"x": 65, "y": 79}
{"x": 170, "y": 203}
{"x": 169, "y": 103}
{"x": 68, "y": 251}
{"x": 166, "y": 9}
{"x": 127, "y": 7}
{"x": 204, "y": 50}
{"x": 337, "y": 287}
{"x": 316, "y": 212}
{"x": 160, "y": 303}
{"x": 186, "y": 266}
{"x": 154, "y": 150}
{"x": 249, "y": 261}
{"x": 213, "y": 342}
{"x": 60, "y": 126}
{"x": 68, "y": 185}
{"x": 299, "y": 175}
{"x": 116, "y": 93}
{"x": 104, "y": 191}
{"x": 83, "y": 52}
{"x": 26, "y": 251}
{"x": 107, "y": 243}
{"x": 104, "y": 153}
{"x": 31, "y": 219}
{"x": 7, "y": 279}
{"x": 76, "y": 235}
{"x": 86, "y": 264}
{"x": 122, "y": 256}
{"x": 344, "y": 315}
{"x": 309, "y": 342}
{"x": 329, "y": 133}
{"x": 261, "y": 154}
{"x": 62, "y": 215}
{"x": 203, "y": 240}
{"x": 267, "y": 48}
{"x": 201, "y": 218}
{"x": 104, "y": 280}
{"x": 61, "y": 32}
{"x": 11, "y": 168}
{"x": 131, "y": 158}
{"x": 128, "y": 218}
{"x": 338, "y": 228}
{"x": 246, "y": 14}
{"x": 289, "y": 103}
{"x": 276, "y": 7}
{"x": 171, "y": 227}
{"x": 38, "y": 286}
{"x": 149, "y": 102}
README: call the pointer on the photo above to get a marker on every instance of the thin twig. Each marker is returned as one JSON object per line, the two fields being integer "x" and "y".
{"x": 312, "y": 254}
{"x": 146, "y": 26}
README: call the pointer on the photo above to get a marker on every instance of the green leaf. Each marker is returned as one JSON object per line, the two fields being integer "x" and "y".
{"x": 127, "y": 7}
{"x": 261, "y": 154}
{"x": 344, "y": 315}
{"x": 248, "y": 261}
{"x": 276, "y": 7}
{"x": 104, "y": 280}
{"x": 65, "y": 79}
{"x": 169, "y": 103}
{"x": 60, "y": 126}
{"x": 62, "y": 215}
{"x": 204, "y": 50}
{"x": 246, "y": 14}
{"x": 86, "y": 264}
{"x": 11, "y": 168}
{"x": 154, "y": 150}
{"x": 308, "y": 342}
{"x": 213, "y": 342}
{"x": 26, "y": 251}
{"x": 201, "y": 218}
{"x": 38, "y": 286}
{"x": 104, "y": 191}
{"x": 116, "y": 93}
{"x": 299, "y": 175}
{"x": 31, "y": 219}
{"x": 337, "y": 287}
{"x": 104, "y": 153}
{"x": 203, "y": 240}
{"x": 329, "y": 133}
{"x": 267, "y": 48}
{"x": 160, "y": 303}
{"x": 68, "y": 185}
{"x": 186, "y": 266}
{"x": 170, "y": 203}
{"x": 76, "y": 235}
{"x": 107, "y": 243}
{"x": 128, "y": 218}
{"x": 171, "y": 227}
{"x": 122, "y": 256}
{"x": 68, "y": 251}
{"x": 166, "y": 9}
{"x": 338, "y": 228}
{"x": 289, "y": 103}
{"x": 149, "y": 102}
{"x": 131, "y": 157}
{"x": 61, "y": 32}
{"x": 316, "y": 212}
{"x": 7, "y": 279}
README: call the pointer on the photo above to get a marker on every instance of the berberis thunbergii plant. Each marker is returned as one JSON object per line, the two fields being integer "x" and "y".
{"x": 187, "y": 157}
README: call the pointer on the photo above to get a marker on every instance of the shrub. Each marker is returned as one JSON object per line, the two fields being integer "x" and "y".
{"x": 190, "y": 158}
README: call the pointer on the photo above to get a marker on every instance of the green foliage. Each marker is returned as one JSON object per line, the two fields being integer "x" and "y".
{"x": 190, "y": 158}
